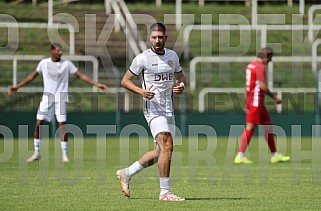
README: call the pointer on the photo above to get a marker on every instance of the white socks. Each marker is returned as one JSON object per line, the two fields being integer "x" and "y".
{"x": 134, "y": 169}
{"x": 36, "y": 144}
{"x": 64, "y": 147}
{"x": 240, "y": 154}
{"x": 165, "y": 184}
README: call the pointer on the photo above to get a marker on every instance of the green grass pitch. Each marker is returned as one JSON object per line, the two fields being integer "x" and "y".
{"x": 202, "y": 171}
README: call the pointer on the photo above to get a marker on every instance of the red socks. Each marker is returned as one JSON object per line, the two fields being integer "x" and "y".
{"x": 245, "y": 140}
{"x": 269, "y": 137}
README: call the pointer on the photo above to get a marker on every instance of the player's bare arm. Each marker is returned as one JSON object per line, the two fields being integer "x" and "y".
{"x": 87, "y": 79}
{"x": 28, "y": 79}
{"x": 265, "y": 88}
{"x": 180, "y": 83}
{"x": 127, "y": 83}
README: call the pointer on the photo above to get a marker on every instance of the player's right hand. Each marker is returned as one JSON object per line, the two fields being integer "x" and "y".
{"x": 147, "y": 94}
{"x": 12, "y": 90}
{"x": 179, "y": 87}
{"x": 102, "y": 86}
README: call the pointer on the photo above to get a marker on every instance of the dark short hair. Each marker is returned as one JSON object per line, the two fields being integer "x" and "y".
{"x": 265, "y": 52}
{"x": 158, "y": 27}
{"x": 55, "y": 46}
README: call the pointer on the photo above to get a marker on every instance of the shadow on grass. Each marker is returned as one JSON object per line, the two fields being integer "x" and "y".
{"x": 208, "y": 199}
{"x": 196, "y": 199}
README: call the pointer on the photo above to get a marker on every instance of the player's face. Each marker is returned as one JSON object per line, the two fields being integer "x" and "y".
{"x": 157, "y": 39}
{"x": 56, "y": 54}
{"x": 267, "y": 59}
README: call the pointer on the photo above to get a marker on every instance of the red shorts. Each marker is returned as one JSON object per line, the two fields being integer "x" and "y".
{"x": 257, "y": 115}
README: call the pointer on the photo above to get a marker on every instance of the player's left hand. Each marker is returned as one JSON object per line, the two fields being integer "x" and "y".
{"x": 179, "y": 87}
{"x": 277, "y": 100}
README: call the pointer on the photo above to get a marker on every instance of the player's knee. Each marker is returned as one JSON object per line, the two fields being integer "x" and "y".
{"x": 268, "y": 127}
{"x": 166, "y": 141}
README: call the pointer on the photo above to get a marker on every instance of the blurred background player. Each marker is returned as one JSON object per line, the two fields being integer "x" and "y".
{"x": 55, "y": 72}
{"x": 256, "y": 112}
{"x": 157, "y": 66}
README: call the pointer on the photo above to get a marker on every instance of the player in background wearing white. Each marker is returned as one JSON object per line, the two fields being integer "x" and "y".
{"x": 55, "y": 72}
{"x": 157, "y": 66}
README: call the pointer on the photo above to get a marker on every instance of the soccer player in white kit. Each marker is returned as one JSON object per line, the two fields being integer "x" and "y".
{"x": 55, "y": 72}
{"x": 157, "y": 66}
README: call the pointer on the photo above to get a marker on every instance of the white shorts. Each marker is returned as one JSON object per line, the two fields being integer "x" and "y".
{"x": 162, "y": 124}
{"x": 47, "y": 110}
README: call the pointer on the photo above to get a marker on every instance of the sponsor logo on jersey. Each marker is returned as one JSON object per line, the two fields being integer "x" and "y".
{"x": 164, "y": 77}
{"x": 53, "y": 69}
{"x": 54, "y": 76}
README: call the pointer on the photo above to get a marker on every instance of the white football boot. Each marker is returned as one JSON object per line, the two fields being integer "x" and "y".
{"x": 35, "y": 156}
{"x": 124, "y": 182}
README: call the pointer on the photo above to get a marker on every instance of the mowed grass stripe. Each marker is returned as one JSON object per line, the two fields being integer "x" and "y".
{"x": 89, "y": 183}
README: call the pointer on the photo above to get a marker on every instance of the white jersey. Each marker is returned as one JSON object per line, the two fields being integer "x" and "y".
{"x": 157, "y": 71}
{"x": 55, "y": 78}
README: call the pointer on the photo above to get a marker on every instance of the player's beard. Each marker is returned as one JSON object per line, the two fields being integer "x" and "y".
{"x": 56, "y": 58}
{"x": 159, "y": 49}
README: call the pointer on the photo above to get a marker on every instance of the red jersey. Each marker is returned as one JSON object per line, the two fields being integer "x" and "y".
{"x": 255, "y": 72}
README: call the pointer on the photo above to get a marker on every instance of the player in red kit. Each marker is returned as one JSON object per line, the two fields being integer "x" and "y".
{"x": 256, "y": 112}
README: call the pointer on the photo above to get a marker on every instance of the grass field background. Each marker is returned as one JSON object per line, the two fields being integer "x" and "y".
{"x": 202, "y": 171}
